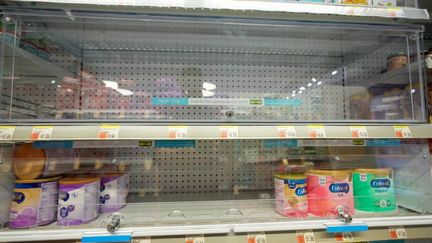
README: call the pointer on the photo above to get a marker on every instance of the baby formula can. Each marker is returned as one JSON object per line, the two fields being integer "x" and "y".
{"x": 291, "y": 195}
{"x": 34, "y": 203}
{"x": 330, "y": 191}
{"x": 114, "y": 190}
{"x": 78, "y": 200}
{"x": 374, "y": 190}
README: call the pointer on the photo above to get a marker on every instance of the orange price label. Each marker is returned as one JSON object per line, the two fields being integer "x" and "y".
{"x": 305, "y": 237}
{"x": 41, "y": 133}
{"x": 195, "y": 239}
{"x": 398, "y": 233}
{"x": 228, "y": 132}
{"x": 256, "y": 238}
{"x": 317, "y": 131}
{"x": 359, "y": 132}
{"x": 109, "y": 132}
{"x": 177, "y": 132}
{"x": 344, "y": 237}
{"x": 286, "y": 132}
{"x": 402, "y": 132}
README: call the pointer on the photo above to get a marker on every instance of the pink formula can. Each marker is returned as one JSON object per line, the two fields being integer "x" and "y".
{"x": 330, "y": 191}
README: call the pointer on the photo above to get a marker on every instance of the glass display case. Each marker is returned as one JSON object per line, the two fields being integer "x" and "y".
{"x": 153, "y": 124}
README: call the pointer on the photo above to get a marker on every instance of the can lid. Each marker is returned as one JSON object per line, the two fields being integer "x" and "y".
{"x": 292, "y": 176}
{"x": 113, "y": 174}
{"x": 338, "y": 174}
{"x": 397, "y": 55}
{"x": 377, "y": 171}
{"x": 78, "y": 180}
{"x": 38, "y": 180}
{"x": 28, "y": 163}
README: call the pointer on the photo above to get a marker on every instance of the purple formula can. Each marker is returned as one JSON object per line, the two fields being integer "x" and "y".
{"x": 114, "y": 190}
{"x": 34, "y": 203}
{"x": 78, "y": 201}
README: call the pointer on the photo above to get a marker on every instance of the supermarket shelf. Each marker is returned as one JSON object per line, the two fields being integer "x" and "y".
{"x": 221, "y": 218}
{"x": 161, "y": 131}
{"x": 394, "y": 77}
{"x": 267, "y": 6}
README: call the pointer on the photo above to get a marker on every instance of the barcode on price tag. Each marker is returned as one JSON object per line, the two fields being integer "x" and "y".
{"x": 317, "y": 131}
{"x": 109, "y": 132}
{"x": 177, "y": 132}
{"x": 305, "y": 237}
{"x": 195, "y": 239}
{"x": 398, "y": 233}
{"x": 256, "y": 238}
{"x": 6, "y": 132}
{"x": 41, "y": 133}
{"x": 228, "y": 132}
{"x": 402, "y": 132}
{"x": 345, "y": 237}
{"x": 286, "y": 132}
{"x": 359, "y": 132}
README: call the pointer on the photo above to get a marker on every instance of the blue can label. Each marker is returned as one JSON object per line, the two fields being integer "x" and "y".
{"x": 380, "y": 183}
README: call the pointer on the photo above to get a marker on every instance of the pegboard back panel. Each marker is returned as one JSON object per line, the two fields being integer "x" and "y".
{"x": 197, "y": 70}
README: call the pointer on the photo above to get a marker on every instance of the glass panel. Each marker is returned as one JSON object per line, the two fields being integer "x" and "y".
{"x": 200, "y": 69}
{"x": 215, "y": 182}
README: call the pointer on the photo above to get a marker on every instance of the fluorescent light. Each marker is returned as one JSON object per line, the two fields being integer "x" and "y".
{"x": 110, "y": 84}
{"x": 207, "y": 93}
{"x": 334, "y": 72}
{"x": 314, "y": 80}
{"x": 293, "y": 95}
{"x": 208, "y": 86}
{"x": 309, "y": 84}
{"x": 294, "y": 92}
{"x": 53, "y": 81}
{"x": 412, "y": 91}
{"x": 319, "y": 83}
{"x": 300, "y": 92}
{"x": 302, "y": 88}
{"x": 125, "y": 92}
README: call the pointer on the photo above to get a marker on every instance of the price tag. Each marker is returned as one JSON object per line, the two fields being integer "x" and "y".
{"x": 305, "y": 237}
{"x": 359, "y": 132}
{"x": 177, "y": 132}
{"x": 256, "y": 238}
{"x": 345, "y": 237}
{"x": 108, "y": 132}
{"x": 398, "y": 233}
{"x": 228, "y": 132}
{"x": 316, "y": 131}
{"x": 143, "y": 240}
{"x": 286, "y": 132}
{"x": 396, "y": 12}
{"x": 195, "y": 239}
{"x": 41, "y": 133}
{"x": 6, "y": 132}
{"x": 402, "y": 132}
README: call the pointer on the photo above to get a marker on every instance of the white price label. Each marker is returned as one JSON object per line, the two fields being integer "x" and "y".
{"x": 195, "y": 239}
{"x": 359, "y": 132}
{"x": 228, "y": 132}
{"x": 41, "y": 133}
{"x": 6, "y": 132}
{"x": 256, "y": 238}
{"x": 144, "y": 240}
{"x": 286, "y": 132}
{"x": 108, "y": 132}
{"x": 306, "y": 237}
{"x": 402, "y": 132}
{"x": 396, "y": 12}
{"x": 398, "y": 233}
{"x": 345, "y": 237}
{"x": 317, "y": 131}
{"x": 177, "y": 132}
